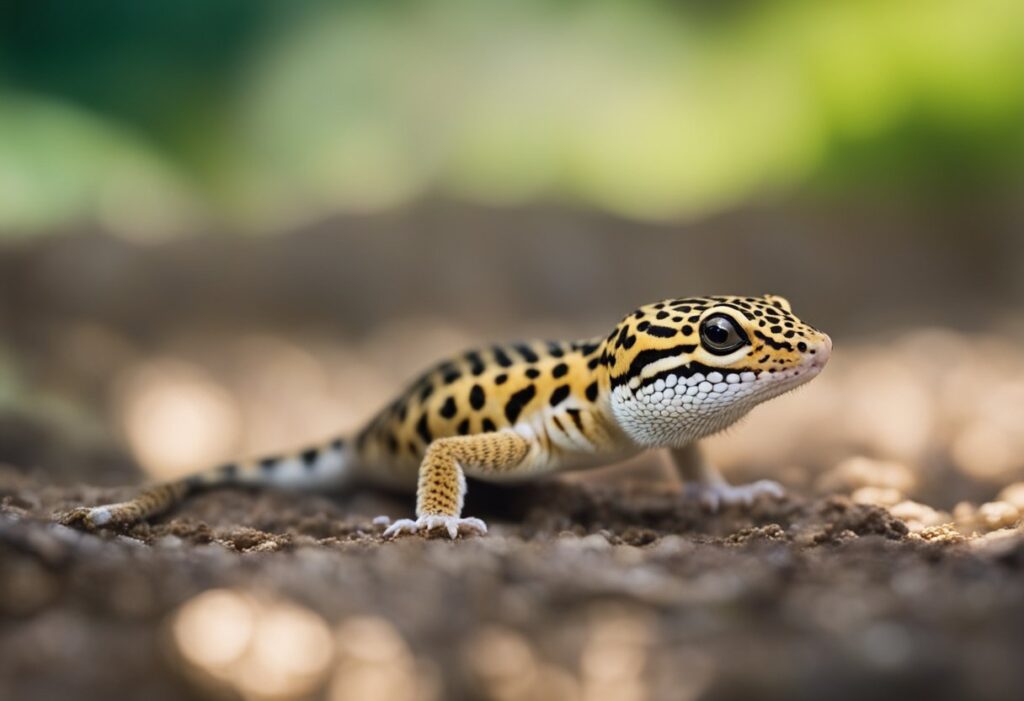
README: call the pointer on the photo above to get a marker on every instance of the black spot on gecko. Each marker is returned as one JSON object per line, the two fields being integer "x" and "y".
{"x": 574, "y": 414}
{"x": 629, "y": 342}
{"x": 662, "y": 331}
{"x": 423, "y": 429}
{"x": 476, "y": 365}
{"x": 518, "y": 401}
{"x": 501, "y": 357}
{"x": 662, "y": 315}
{"x": 559, "y": 370}
{"x": 559, "y": 395}
{"x": 426, "y": 392}
{"x": 463, "y": 427}
{"x": 501, "y": 379}
{"x": 802, "y": 347}
{"x": 532, "y": 373}
{"x": 527, "y": 353}
{"x": 488, "y": 426}
{"x": 476, "y": 397}
{"x": 448, "y": 409}
{"x": 592, "y": 391}
{"x": 623, "y": 332}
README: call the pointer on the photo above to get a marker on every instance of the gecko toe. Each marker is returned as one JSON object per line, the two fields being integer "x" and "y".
{"x": 402, "y": 525}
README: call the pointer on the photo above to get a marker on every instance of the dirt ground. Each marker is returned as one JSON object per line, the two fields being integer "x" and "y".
{"x": 588, "y": 591}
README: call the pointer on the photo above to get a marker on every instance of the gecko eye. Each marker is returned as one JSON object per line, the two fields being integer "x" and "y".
{"x": 720, "y": 335}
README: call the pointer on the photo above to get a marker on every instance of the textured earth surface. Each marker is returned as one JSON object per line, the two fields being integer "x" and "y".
{"x": 587, "y": 591}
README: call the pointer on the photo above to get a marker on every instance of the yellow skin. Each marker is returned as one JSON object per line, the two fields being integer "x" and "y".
{"x": 666, "y": 376}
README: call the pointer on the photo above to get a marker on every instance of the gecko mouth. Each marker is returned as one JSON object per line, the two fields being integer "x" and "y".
{"x": 783, "y": 381}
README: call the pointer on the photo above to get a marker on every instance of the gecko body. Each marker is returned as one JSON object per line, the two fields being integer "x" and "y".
{"x": 668, "y": 375}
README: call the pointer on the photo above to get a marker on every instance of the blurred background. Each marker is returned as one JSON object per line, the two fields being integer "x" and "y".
{"x": 239, "y": 226}
{"x": 233, "y": 227}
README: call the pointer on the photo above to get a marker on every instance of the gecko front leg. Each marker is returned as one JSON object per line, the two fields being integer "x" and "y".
{"x": 442, "y": 481}
{"x": 711, "y": 487}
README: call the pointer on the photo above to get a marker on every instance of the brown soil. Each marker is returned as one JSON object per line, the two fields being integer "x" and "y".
{"x": 819, "y": 598}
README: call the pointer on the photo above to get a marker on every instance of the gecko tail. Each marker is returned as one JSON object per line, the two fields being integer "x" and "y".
{"x": 321, "y": 467}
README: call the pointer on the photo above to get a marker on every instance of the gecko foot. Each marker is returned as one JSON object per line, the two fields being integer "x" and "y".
{"x": 452, "y": 525}
{"x": 716, "y": 495}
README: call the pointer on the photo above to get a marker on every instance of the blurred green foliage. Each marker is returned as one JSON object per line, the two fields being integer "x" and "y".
{"x": 155, "y": 118}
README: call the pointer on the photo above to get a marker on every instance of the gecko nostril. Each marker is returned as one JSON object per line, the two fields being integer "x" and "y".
{"x": 824, "y": 350}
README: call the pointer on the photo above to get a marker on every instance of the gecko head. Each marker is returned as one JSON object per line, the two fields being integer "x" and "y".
{"x": 682, "y": 369}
